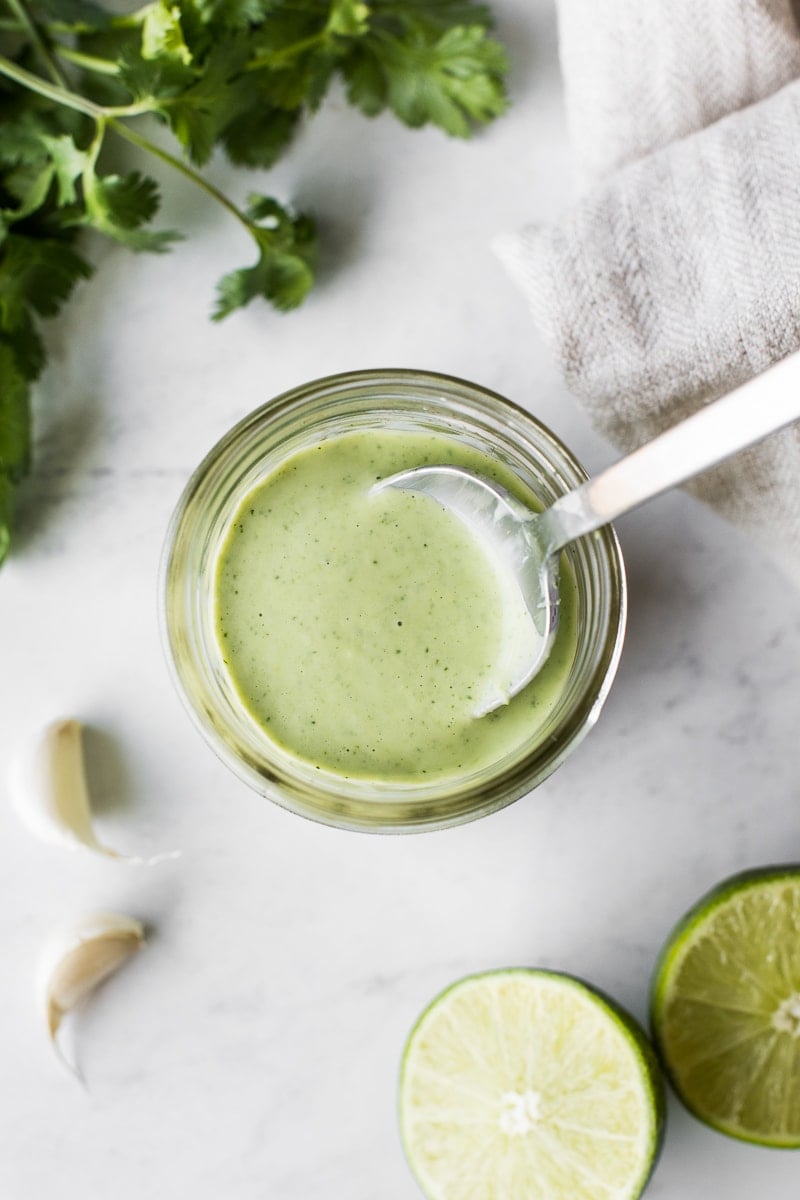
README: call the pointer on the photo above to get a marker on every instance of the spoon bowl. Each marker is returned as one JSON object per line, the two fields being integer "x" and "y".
{"x": 524, "y": 546}
{"x": 509, "y": 534}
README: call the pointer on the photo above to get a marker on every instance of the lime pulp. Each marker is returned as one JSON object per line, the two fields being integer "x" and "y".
{"x": 726, "y": 1007}
{"x": 523, "y": 1084}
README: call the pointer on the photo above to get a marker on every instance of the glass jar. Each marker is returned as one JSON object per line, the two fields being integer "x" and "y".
{"x": 408, "y": 401}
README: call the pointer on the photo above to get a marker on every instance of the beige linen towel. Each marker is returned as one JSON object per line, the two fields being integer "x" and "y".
{"x": 677, "y": 276}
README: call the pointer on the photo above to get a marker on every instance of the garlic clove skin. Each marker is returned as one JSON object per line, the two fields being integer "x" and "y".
{"x": 47, "y": 782}
{"x": 79, "y": 957}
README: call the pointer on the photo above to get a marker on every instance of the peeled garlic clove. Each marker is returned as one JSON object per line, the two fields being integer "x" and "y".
{"x": 80, "y": 956}
{"x": 48, "y": 787}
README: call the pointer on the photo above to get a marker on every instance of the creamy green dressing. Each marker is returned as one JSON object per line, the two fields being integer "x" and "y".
{"x": 359, "y": 629}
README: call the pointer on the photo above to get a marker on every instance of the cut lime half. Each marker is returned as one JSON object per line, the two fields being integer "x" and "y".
{"x": 529, "y": 1085}
{"x": 726, "y": 1007}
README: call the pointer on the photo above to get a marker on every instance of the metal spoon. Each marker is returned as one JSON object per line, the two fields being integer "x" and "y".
{"x": 526, "y": 545}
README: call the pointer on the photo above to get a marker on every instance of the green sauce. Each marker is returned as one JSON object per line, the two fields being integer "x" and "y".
{"x": 359, "y": 629}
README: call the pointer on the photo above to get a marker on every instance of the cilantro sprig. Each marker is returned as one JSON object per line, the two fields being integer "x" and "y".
{"x": 241, "y": 75}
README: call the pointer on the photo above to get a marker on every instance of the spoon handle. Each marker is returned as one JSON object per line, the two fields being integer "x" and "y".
{"x": 743, "y": 417}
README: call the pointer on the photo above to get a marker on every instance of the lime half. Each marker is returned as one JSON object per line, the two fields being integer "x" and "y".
{"x": 529, "y": 1085}
{"x": 726, "y": 1007}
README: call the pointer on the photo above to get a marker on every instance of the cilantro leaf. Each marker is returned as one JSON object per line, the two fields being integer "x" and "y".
{"x": 128, "y": 200}
{"x": 153, "y": 79}
{"x": 118, "y": 205}
{"x": 198, "y": 116}
{"x": 21, "y": 140}
{"x": 26, "y": 188}
{"x": 35, "y": 153}
{"x": 162, "y": 34}
{"x": 348, "y": 18}
{"x": 240, "y": 74}
{"x": 452, "y": 79}
{"x": 284, "y": 272}
{"x": 303, "y": 82}
{"x": 15, "y": 423}
{"x": 229, "y": 15}
{"x": 27, "y": 346}
{"x": 26, "y": 171}
{"x": 36, "y": 273}
{"x": 68, "y": 165}
{"x": 15, "y": 438}
{"x": 432, "y": 16}
{"x": 259, "y": 135}
{"x": 366, "y": 80}
{"x": 299, "y": 46}
{"x": 196, "y": 102}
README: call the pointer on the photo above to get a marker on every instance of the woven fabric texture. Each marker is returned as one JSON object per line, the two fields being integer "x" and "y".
{"x": 676, "y": 277}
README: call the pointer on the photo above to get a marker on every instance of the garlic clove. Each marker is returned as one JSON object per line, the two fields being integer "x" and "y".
{"x": 47, "y": 782}
{"x": 48, "y": 788}
{"x": 79, "y": 957}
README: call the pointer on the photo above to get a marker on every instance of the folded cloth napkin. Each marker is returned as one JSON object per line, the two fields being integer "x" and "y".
{"x": 677, "y": 276}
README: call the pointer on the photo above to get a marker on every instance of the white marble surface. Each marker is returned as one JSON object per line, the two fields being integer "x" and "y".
{"x": 252, "y": 1051}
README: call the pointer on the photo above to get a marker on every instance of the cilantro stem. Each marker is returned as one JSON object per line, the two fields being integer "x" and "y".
{"x": 89, "y": 62}
{"x": 123, "y": 21}
{"x": 61, "y": 95}
{"x": 288, "y": 52}
{"x": 50, "y": 91}
{"x": 11, "y": 25}
{"x": 110, "y": 117}
{"x": 136, "y": 139}
{"x": 20, "y": 10}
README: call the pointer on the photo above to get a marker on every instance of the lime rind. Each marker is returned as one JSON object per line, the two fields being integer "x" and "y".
{"x": 673, "y": 954}
{"x": 648, "y": 1077}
